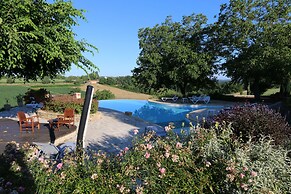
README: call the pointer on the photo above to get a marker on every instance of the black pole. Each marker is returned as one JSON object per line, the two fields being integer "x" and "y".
{"x": 84, "y": 117}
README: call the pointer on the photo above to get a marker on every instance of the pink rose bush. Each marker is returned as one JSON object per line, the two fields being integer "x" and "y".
{"x": 204, "y": 161}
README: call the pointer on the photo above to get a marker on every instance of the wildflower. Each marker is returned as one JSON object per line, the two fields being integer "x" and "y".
{"x": 63, "y": 175}
{"x": 126, "y": 149}
{"x": 254, "y": 174}
{"x": 245, "y": 168}
{"x": 244, "y": 186}
{"x": 94, "y": 176}
{"x": 21, "y": 189}
{"x": 135, "y": 131}
{"x": 230, "y": 177}
{"x": 179, "y": 145}
{"x": 242, "y": 175}
{"x": 121, "y": 188}
{"x": 139, "y": 190}
{"x": 147, "y": 155}
{"x": 167, "y": 128}
{"x": 158, "y": 164}
{"x": 207, "y": 164}
{"x": 162, "y": 170}
{"x": 8, "y": 184}
{"x": 250, "y": 180}
{"x": 41, "y": 159}
{"x": 175, "y": 158}
{"x": 167, "y": 154}
{"x": 149, "y": 146}
{"x": 59, "y": 166}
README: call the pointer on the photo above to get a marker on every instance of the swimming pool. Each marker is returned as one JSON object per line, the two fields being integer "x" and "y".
{"x": 158, "y": 113}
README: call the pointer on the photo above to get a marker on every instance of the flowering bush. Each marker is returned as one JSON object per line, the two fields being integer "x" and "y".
{"x": 201, "y": 162}
{"x": 254, "y": 121}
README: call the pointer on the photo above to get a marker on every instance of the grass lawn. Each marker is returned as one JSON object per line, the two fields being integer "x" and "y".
{"x": 10, "y": 91}
{"x": 271, "y": 91}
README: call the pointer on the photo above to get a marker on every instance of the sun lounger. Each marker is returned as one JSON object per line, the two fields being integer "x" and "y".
{"x": 174, "y": 98}
{"x": 202, "y": 98}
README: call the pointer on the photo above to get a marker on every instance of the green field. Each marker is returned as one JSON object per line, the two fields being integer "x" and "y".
{"x": 10, "y": 91}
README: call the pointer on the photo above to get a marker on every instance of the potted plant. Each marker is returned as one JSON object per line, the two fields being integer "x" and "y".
{"x": 19, "y": 99}
{"x": 7, "y": 106}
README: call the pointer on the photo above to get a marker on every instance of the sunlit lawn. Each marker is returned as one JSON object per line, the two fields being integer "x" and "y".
{"x": 10, "y": 91}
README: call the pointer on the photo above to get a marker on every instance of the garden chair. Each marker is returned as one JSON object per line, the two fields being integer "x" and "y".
{"x": 29, "y": 123}
{"x": 68, "y": 118}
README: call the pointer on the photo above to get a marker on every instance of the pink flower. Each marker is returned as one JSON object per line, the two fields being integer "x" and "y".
{"x": 179, "y": 145}
{"x": 149, "y": 146}
{"x": 59, "y": 166}
{"x": 245, "y": 168}
{"x": 21, "y": 189}
{"x": 242, "y": 175}
{"x": 167, "y": 154}
{"x": 175, "y": 158}
{"x": 41, "y": 159}
{"x": 162, "y": 170}
{"x": 135, "y": 131}
{"x": 254, "y": 174}
{"x": 126, "y": 149}
{"x": 244, "y": 186}
{"x": 147, "y": 155}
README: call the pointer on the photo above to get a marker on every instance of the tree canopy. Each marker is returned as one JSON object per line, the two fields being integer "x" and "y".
{"x": 37, "y": 40}
{"x": 254, "y": 39}
{"x": 173, "y": 55}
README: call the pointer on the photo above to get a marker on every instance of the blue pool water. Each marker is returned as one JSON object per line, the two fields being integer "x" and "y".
{"x": 153, "y": 112}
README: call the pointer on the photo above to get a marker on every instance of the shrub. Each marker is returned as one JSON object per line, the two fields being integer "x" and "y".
{"x": 59, "y": 103}
{"x": 103, "y": 95}
{"x": 46, "y": 80}
{"x": 40, "y": 95}
{"x": 10, "y": 80}
{"x": 201, "y": 162}
{"x": 254, "y": 121}
{"x": 164, "y": 92}
{"x": 75, "y": 90}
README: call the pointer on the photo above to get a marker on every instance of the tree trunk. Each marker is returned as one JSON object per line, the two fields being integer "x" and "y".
{"x": 285, "y": 88}
{"x": 256, "y": 90}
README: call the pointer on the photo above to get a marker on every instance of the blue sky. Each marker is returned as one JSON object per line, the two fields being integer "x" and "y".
{"x": 112, "y": 26}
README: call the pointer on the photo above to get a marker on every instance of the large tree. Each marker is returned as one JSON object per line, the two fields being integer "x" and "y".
{"x": 254, "y": 39}
{"x": 37, "y": 40}
{"x": 173, "y": 55}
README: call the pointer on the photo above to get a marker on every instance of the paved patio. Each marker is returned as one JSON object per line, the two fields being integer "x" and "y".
{"x": 9, "y": 131}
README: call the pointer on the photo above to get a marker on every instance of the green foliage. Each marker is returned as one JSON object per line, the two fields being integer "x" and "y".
{"x": 201, "y": 162}
{"x": 38, "y": 39}
{"x": 46, "y": 80}
{"x": 75, "y": 90}
{"x": 10, "y": 80}
{"x": 60, "y": 103}
{"x": 254, "y": 39}
{"x": 164, "y": 92}
{"x": 39, "y": 95}
{"x": 173, "y": 55}
{"x": 103, "y": 95}
{"x": 254, "y": 121}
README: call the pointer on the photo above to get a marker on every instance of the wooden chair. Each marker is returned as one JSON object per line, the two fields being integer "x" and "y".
{"x": 68, "y": 118}
{"x": 29, "y": 123}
